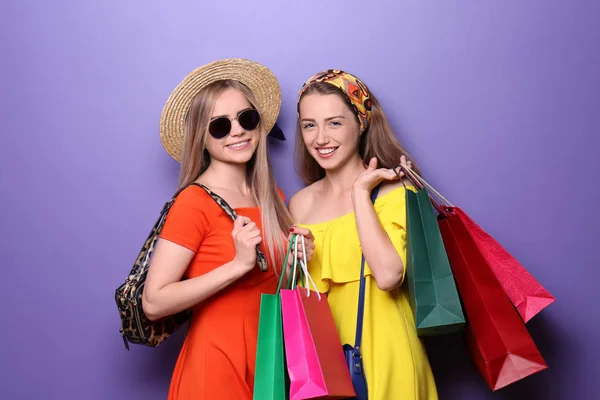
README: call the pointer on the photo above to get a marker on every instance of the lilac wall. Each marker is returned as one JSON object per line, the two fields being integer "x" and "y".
{"x": 498, "y": 101}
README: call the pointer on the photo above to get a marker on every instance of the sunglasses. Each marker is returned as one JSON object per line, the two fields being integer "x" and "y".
{"x": 221, "y": 127}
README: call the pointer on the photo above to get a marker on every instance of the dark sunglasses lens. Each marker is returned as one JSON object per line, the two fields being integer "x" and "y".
{"x": 249, "y": 119}
{"x": 220, "y": 127}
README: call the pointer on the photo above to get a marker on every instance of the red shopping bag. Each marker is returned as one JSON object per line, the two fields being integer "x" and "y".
{"x": 524, "y": 291}
{"x": 500, "y": 344}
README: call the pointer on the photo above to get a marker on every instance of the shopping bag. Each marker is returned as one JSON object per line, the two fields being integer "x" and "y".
{"x": 524, "y": 291}
{"x": 432, "y": 290}
{"x": 500, "y": 345}
{"x": 315, "y": 360}
{"x": 271, "y": 381}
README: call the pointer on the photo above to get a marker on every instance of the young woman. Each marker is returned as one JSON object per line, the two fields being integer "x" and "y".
{"x": 345, "y": 148}
{"x": 216, "y": 122}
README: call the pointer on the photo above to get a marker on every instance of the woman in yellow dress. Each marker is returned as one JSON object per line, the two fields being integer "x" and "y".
{"x": 345, "y": 148}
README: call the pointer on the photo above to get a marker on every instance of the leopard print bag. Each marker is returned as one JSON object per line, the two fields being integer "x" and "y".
{"x": 135, "y": 326}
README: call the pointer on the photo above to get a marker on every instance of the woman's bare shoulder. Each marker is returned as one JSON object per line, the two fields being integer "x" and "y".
{"x": 302, "y": 201}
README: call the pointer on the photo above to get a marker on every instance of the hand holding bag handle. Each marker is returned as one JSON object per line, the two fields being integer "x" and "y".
{"x": 353, "y": 353}
{"x": 135, "y": 326}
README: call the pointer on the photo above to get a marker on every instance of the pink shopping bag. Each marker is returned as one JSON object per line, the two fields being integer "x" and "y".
{"x": 315, "y": 360}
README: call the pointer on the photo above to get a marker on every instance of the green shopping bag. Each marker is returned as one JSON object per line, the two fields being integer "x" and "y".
{"x": 432, "y": 290}
{"x": 271, "y": 381}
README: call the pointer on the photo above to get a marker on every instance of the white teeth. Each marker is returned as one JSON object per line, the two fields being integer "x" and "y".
{"x": 327, "y": 151}
{"x": 238, "y": 145}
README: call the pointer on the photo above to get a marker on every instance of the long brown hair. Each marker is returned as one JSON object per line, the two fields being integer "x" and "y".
{"x": 378, "y": 140}
{"x": 195, "y": 160}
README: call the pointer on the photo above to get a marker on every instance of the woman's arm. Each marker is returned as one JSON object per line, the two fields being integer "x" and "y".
{"x": 166, "y": 294}
{"x": 379, "y": 251}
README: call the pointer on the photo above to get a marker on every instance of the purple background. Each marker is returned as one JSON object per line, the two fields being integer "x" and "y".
{"x": 497, "y": 101}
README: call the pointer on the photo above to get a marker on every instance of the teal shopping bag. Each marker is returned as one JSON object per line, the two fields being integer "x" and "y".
{"x": 432, "y": 290}
{"x": 271, "y": 381}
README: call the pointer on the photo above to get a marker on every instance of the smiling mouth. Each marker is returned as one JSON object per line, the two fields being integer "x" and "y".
{"x": 326, "y": 151}
{"x": 237, "y": 146}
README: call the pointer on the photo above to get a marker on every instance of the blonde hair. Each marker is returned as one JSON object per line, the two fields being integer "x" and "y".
{"x": 275, "y": 217}
{"x": 378, "y": 140}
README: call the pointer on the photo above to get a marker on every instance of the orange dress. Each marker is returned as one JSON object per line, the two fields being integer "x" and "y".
{"x": 218, "y": 356}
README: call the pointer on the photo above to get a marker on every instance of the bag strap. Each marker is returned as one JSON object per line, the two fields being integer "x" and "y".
{"x": 361, "y": 291}
{"x": 261, "y": 260}
{"x": 421, "y": 184}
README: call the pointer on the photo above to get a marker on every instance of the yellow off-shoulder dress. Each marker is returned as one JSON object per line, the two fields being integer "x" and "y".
{"x": 395, "y": 362}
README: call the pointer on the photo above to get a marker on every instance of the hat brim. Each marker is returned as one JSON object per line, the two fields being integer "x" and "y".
{"x": 258, "y": 78}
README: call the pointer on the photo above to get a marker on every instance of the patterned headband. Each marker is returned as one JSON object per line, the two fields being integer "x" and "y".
{"x": 356, "y": 91}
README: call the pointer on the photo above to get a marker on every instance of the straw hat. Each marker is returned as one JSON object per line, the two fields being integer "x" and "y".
{"x": 257, "y": 77}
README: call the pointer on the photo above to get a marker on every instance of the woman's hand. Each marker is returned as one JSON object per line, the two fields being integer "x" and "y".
{"x": 309, "y": 244}
{"x": 372, "y": 176}
{"x": 246, "y": 236}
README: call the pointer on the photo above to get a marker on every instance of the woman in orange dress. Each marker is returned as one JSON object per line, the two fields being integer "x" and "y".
{"x": 216, "y": 123}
